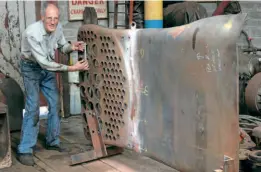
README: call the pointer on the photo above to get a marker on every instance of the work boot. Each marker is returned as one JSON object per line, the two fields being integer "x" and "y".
{"x": 59, "y": 148}
{"x": 26, "y": 159}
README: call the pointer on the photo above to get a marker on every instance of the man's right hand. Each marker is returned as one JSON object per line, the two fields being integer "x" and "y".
{"x": 79, "y": 66}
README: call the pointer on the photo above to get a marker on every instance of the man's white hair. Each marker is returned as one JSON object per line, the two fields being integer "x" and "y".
{"x": 45, "y": 5}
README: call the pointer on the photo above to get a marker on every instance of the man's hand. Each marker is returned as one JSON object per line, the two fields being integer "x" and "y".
{"x": 79, "y": 66}
{"x": 78, "y": 46}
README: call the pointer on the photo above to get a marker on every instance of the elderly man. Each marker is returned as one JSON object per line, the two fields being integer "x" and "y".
{"x": 39, "y": 42}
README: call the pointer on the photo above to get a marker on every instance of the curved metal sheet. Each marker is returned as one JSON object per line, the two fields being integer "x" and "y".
{"x": 171, "y": 94}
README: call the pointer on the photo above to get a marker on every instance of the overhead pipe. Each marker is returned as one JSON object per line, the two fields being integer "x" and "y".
{"x": 153, "y": 14}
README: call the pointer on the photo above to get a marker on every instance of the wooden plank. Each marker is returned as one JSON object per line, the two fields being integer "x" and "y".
{"x": 60, "y": 162}
{"x": 99, "y": 166}
{"x": 132, "y": 162}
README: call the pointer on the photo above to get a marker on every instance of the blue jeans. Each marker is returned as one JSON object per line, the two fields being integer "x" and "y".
{"x": 36, "y": 78}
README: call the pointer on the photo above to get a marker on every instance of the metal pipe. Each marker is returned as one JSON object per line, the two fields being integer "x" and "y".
{"x": 153, "y": 14}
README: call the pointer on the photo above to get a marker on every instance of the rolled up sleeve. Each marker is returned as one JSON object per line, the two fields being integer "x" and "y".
{"x": 41, "y": 57}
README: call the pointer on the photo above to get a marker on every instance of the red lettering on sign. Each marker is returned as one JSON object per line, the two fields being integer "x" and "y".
{"x": 77, "y": 11}
{"x": 86, "y": 2}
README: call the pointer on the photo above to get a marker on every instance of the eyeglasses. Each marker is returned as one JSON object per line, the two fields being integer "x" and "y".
{"x": 50, "y": 19}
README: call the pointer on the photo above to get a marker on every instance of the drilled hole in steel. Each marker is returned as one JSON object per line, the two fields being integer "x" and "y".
{"x": 104, "y": 100}
{"x": 97, "y": 93}
{"x": 121, "y": 84}
{"x": 88, "y": 32}
{"x": 118, "y": 136}
{"x": 106, "y": 124}
{"x": 112, "y": 113}
{"x": 117, "y": 114}
{"x": 109, "y": 64}
{"x": 105, "y": 94}
{"x": 108, "y": 70}
{"x": 125, "y": 105}
{"x": 83, "y": 102}
{"x": 82, "y": 90}
{"x": 89, "y": 40}
{"x": 118, "y": 77}
{"x": 110, "y": 107}
{"x": 113, "y": 43}
{"x": 106, "y": 75}
{"x": 113, "y": 64}
{"x": 101, "y": 50}
{"x": 108, "y": 130}
{"x": 114, "y": 108}
{"x": 107, "y": 45}
{"x": 115, "y": 58}
{"x": 113, "y": 52}
{"x": 112, "y": 82}
{"x": 92, "y": 39}
{"x": 114, "y": 77}
{"x": 105, "y": 51}
{"x": 111, "y": 119}
{"x": 106, "y": 136}
{"x": 102, "y": 44}
{"x": 95, "y": 36}
{"x": 122, "y": 110}
{"x": 111, "y": 131}
{"x": 120, "y": 104}
{"x": 108, "y": 38}
{"x": 91, "y": 32}
{"x": 104, "y": 38}
{"x": 115, "y": 121}
{"x": 116, "y": 82}
{"x": 105, "y": 112}
{"x": 112, "y": 101}
{"x": 98, "y": 108}
{"x": 121, "y": 116}
{"x": 107, "y": 88}
{"x": 90, "y": 106}
{"x": 123, "y": 92}
{"x": 102, "y": 76}
{"x": 115, "y": 89}
{"x": 111, "y": 89}
{"x": 109, "y": 125}
{"x": 111, "y": 58}
{"x": 109, "y": 51}
{"x": 110, "y": 76}
{"x": 94, "y": 49}
{"x": 123, "y": 122}
{"x": 113, "y": 96}
{"x": 123, "y": 79}
{"x": 97, "y": 78}
{"x": 119, "y": 58}
{"x": 95, "y": 63}
{"x": 113, "y": 126}
{"x": 109, "y": 113}
{"x": 118, "y": 65}
{"x": 110, "y": 137}
{"x": 102, "y": 63}
{"x": 104, "y": 82}
{"x": 116, "y": 71}
{"x": 101, "y": 38}
{"x": 114, "y": 138}
{"x": 81, "y": 76}
{"x": 122, "y": 97}
{"x": 90, "y": 91}
{"x": 118, "y": 96}
{"x": 109, "y": 82}
{"x": 108, "y": 101}
{"x": 120, "y": 71}
{"x": 93, "y": 131}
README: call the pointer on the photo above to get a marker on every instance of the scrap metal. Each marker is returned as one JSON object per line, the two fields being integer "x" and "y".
{"x": 170, "y": 94}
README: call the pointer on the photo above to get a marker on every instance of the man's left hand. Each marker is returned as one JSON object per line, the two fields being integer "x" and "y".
{"x": 78, "y": 46}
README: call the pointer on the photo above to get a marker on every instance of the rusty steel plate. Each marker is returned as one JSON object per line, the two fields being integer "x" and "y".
{"x": 170, "y": 94}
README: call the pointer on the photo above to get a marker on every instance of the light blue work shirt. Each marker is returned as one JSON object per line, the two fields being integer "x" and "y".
{"x": 39, "y": 46}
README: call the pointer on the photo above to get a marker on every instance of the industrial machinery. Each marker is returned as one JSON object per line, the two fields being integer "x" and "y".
{"x": 171, "y": 94}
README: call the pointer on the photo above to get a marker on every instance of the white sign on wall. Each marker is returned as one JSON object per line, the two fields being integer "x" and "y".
{"x": 76, "y": 8}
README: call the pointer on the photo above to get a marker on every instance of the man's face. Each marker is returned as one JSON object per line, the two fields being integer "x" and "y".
{"x": 51, "y": 18}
